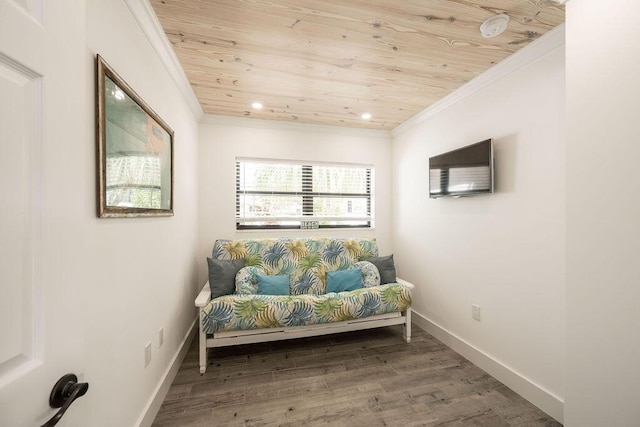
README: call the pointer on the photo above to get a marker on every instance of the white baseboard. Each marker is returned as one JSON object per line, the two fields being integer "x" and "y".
{"x": 156, "y": 399}
{"x": 543, "y": 399}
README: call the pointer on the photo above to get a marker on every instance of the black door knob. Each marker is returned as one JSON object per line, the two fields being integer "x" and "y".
{"x": 64, "y": 392}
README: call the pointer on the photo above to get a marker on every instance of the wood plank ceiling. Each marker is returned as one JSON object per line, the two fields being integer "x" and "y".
{"x": 328, "y": 62}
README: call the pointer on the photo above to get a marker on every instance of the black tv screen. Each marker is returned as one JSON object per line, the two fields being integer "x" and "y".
{"x": 467, "y": 171}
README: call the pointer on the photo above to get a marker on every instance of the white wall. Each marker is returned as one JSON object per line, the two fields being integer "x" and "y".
{"x": 504, "y": 252}
{"x": 139, "y": 273}
{"x": 222, "y": 139}
{"x": 603, "y": 214}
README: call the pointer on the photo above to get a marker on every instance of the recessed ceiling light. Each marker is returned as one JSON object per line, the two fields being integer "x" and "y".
{"x": 257, "y": 105}
{"x": 366, "y": 116}
{"x": 494, "y": 26}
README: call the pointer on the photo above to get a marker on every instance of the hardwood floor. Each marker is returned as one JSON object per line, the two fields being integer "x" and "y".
{"x": 364, "y": 378}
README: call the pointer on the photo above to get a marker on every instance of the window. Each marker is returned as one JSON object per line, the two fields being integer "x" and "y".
{"x": 134, "y": 180}
{"x": 289, "y": 194}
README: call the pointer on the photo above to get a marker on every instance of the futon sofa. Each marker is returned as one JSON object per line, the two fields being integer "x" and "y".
{"x": 273, "y": 289}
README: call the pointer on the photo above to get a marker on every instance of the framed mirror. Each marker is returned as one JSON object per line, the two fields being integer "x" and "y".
{"x": 135, "y": 152}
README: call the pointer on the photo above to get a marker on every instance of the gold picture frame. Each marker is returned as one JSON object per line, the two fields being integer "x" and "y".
{"x": 135, "y": 151}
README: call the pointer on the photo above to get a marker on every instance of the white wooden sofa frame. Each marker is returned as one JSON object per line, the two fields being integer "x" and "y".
{"x": 223, "y": 339}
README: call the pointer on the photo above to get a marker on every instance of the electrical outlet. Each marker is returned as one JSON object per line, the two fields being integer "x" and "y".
{"x": 475, "y": 312}
{"x": 160, "y": 337}
{"x": 147, "y": 354}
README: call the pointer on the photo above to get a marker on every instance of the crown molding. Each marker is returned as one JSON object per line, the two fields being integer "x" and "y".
{"x": 148, "y": 22}
{"x": 219, "y": 120}
{"x": 547, "y": 43}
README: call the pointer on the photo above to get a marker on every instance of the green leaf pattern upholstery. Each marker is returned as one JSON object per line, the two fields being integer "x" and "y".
{"x": 306, "y": 261}
{"x": 243, "y": 312}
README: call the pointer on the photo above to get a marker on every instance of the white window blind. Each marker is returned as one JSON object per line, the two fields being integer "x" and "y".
{"x": 291, "y": 194}
{"x": 134, "y": 180}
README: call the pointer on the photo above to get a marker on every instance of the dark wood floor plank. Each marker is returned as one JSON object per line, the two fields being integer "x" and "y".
{"x": 359, "y": 376}
{"x": 231, "y": 384}
{"x": 326, "y": 358}
{"x": 190, "y": 419}
{"x": 256, "y": 365}
{"x": 307, "y": 372}
{"x": 359, "y": 379}
{"x": 302, "y": 386}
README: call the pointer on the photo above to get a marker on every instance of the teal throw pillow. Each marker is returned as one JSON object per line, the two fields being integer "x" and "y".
{"x": 344, "y": 280}
{"x": 273, "y": 285}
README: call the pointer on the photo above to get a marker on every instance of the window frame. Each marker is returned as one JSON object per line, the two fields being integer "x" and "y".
{"x": 308, "y": 196}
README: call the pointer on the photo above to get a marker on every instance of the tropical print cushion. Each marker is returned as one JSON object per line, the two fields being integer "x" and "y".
{"x": 247, "y": 280}
{"x": 246, "y": 312}
{"x": 370, "y": 274}
{"x": 306, "y": 261}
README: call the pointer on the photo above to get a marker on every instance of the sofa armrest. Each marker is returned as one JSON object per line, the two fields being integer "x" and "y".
{"x": 409, "y": 285}
{"x": 204, "y": 296}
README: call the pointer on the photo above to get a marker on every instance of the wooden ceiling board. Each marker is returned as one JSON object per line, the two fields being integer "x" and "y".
{"x": 327, "y": 62}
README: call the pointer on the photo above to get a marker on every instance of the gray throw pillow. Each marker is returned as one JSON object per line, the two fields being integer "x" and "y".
{"x": 386, "y": 268}
{"x": 222, "y": 275}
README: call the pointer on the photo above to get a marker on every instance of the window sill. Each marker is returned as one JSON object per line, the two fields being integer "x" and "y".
{"x": 305, "y": 230}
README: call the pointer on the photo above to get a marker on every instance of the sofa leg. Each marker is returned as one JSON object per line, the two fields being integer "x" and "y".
{"x": 406, "y": 328}
{"x": 203, "y": 347}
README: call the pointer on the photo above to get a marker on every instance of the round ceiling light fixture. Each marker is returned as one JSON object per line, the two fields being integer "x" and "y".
{"x": 257, "y": 105}
{"x": 366, "y": 116}
{"x": 494, "y": 26}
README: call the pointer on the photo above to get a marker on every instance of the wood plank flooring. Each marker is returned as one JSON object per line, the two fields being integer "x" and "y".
{"x": 364, "y": 378}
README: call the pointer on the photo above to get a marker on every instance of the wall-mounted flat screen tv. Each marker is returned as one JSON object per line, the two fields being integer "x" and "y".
{"x": 467, "y": 171}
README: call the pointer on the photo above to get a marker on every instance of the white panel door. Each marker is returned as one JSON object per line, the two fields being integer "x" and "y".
{"x": 38, "y": 341}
